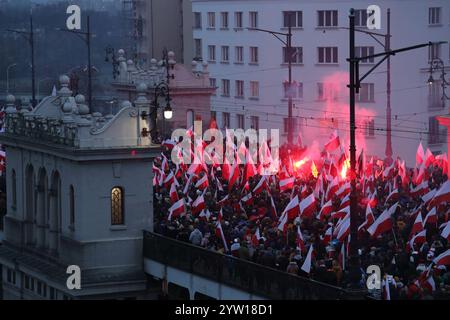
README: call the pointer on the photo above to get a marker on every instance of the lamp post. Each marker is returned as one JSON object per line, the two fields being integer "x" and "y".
{"x": 289, "y": 54}
{"x": 111, "y": 54}
{"x": 438, "y": 64}
{"x": 86, "y": 37}
{"x": 7, "y": 76}
{"x": 354, "y": 85}
{"x": 29, "y": 36}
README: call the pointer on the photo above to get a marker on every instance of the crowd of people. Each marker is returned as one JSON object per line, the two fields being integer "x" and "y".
{"x": 251, "y": 217}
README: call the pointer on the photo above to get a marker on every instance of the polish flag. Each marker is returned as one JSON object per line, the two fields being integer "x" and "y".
{"x": 345, "y": 202}
{"x": 419, "y": 190}
{"x": 223, "y": 201}
{"x": 443, "y": 194}
{"x": 393, "y": 196}
{"x": 307, "y": 206}
{"x": 299, "y": 241}
{"x": 383, "y": 223}
{"x": 292, "y": 209}
{"x": 429, "y": 284}
{"x": 220, "y": 235}
{"x": 256, "y": 237}
{"x": 344, "y": 190}
{"x": 194, "y": 168}
{"x": 344, "y": 229}
{"x": 421, "y": 175}
{"x": 226, "y": 168}
{"x": 431, "y": 217}
{"x": 325, "y": 211}
{"x": 203, "y": 183}
{"x": 332, "y": 188}
{"x": 370, "y": 219}
{"x": 250, "y": 169}
{"x": 389, "y": 171}
{"x": 287, "y": 184}
{"x": 262, "y": 184}
{"x": 418, "y": 225}
{"x": 443, "y": 259}
{"x": 307, "y": 264}
{"x": 177, "y": 209}
{"x": 420, "y": 156}
{"x": 205, "y": 214}
{"x": 418, "y": 239}
{"x": 429, "y": 196}
{"x": 446, "y": 232}
{"x": 429, "y": 158}
{"x": 333, "y": 143}
{"x": 327, "y": 236}
{"x": 341, "y": 213}
{"x": 169, "y": 179}
{"x": 304, "y": 192}
{"x": 169, "y": 144}
{"x": 220, "y": 215}
{"x": 188, "y": 184}
{"x": 273, "y": 209}
{"x": 198, "y": 205}
{"x": 373, "y": 200}
{"x": 247, "y": 199}
{"x": 282, "y": 222}
{"x": 173, "y": 193}
{"x": 234, "y": 175}
{"x": 219, "y": 185}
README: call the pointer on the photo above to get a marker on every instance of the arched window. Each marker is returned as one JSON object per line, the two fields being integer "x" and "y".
{"x": 14, "y": 189}
{"x": 117, "y": 207}
{"x": 72, "y": 207}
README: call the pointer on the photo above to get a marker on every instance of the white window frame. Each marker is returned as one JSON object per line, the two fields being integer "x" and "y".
{"x": 364, "y": 51}
{"x": 254, "y": 58}
{"x": 361, "y": 18}
{"x": 254, "y": 89}
{"x": 239, "y": 87}
{"x": 330, "y": 18}
{"x": 434, "y": 16}
{"x": 297, "y": 56}
{"x": 225, "y": 54}
{"x": 253, "y": 19}
{"x": 224, "y": 20}
{"x": 298, "y": 19}
{"x": 325, "y": 51}
{"x": 238, "y": 20}
{"x": 211, "y": 20}
{"x": 211, "y": 53}
{"x": 239, "y": 54}
{"x": 225, "y": 87}
{"x": 366, "y": 92}
{"x": 197, "y": 20}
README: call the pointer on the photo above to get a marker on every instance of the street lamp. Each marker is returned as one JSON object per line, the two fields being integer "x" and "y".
{"x": 438, "y": 64}
{"x": 289, "y": 54}
{"x": 7, "y": 76}
{"x": 354, "y": 85}
{"x": 111, "y": 52}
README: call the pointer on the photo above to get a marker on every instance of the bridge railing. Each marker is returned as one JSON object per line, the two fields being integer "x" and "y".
{"x": 245, "y": 275}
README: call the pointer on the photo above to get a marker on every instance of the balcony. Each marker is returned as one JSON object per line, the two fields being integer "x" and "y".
{"x": 241, "y": 274}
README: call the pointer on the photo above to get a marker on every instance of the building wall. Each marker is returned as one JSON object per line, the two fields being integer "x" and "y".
{"x": 317, "y": 119}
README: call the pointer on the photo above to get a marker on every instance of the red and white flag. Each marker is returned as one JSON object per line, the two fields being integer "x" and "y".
{"x": 344, "y": 229}
{"x": 287, "y": 184}
{"x": 431, "y": 217}
{"x": 419, "y": 190}
{"x": 393, "y": 196}
{"x": 443, "y": 259}
{"x": 429, "y": 196}
{"x": 343, "y": 190}
{"x": 332, "y": 188}
{"x": 176, "y": 210}
{"x": 234, "y": 176}
{"x": 418, "y": 239}
{"x": 247, "y": 199}
{"x": 173, "y": 193}
{"x": 308, "y": 206}
{"x": 202, "y": 183}
{"x": 446, "y": 232}
{"x": 299, "y": 241}
{"x": 262, "y": 184}
{"x": 198, "y": 205}
{"x": 282, "y": 222}
{"x": 418, "y": 225}
{"x": 442, "y": 195}
{"x": 342, "y": 213}
{"x": 333, "y": 143}
{"x": 220, "y": 235}
{"x": 383, "y": 223}
{"x": 273, "y": 209}
{"x": 420, "y": 155}
{"x": 292, "y": 210}
{"x": 429, "y": 158}
{"x": 345, "y": 202}
{"x": 307, "y": 264}
{"x": 325, "y": 211}
{"x": 328, "y": 235}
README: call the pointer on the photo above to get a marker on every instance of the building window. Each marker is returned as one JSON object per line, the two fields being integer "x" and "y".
{"x": 295, "y": 17}
{"x": 72, "y": 207}
{"x": 327, "y": 55}
{"x": 327, "y": 18}
{"x": 198, "y": 49}
{"x": 289, "y": 91}
{"x": 254, "y": 89}
{"x": 434, "y": 134}
{"x": 300, "y": 90}
{"x": 10, "y": 276}
{"x": 253, "y": 19}
{"x": 434, "y": 51}
{"x": 239, "y": 57}
{"x": 434, "y": 95}
{"x": 225, "y": 120}
{"x": 253, "y": 54}
{"x": 239, "y": 89}
{"x": 225, "y": 54}
{"x": 366, "y": 93}
{"x": 434, "y": 16}
{"x": 225, "y": 87}
{"x": 212, "y": 53}
{"x": 364, "y": 52}
{"x": 369, "y": 126}
{"x": 117, "y": 207}
{"x": 197, "y": 20}
{"x": 14, "y": 189}
{"x": 240, "y": 121}
{"x": 213, "y": 83}
{"x": 211, "y": 20}
{"x": 238, "y": 20}
{"x": 52, "y": 292}
{"x": 296, "y": 55}
{"x": 361, "y": 18}
{"x": 326, "y": 91}
{"x": 224, "y": 20}
{"x": 254, "y": 122}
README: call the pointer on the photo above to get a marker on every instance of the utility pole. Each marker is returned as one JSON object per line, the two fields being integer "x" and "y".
{"x": 86, "y": 37}
{"x": 354, "y": 84}
{"x": 387, "y": 47}
{"x": 29, "y": 36}
{"x": 289, "y": 53}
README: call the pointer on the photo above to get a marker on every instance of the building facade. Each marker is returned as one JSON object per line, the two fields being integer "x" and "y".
{"x": 159, "y": 24}
{"x": 78, "y": 193}
{"x": 249, "y": 69}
